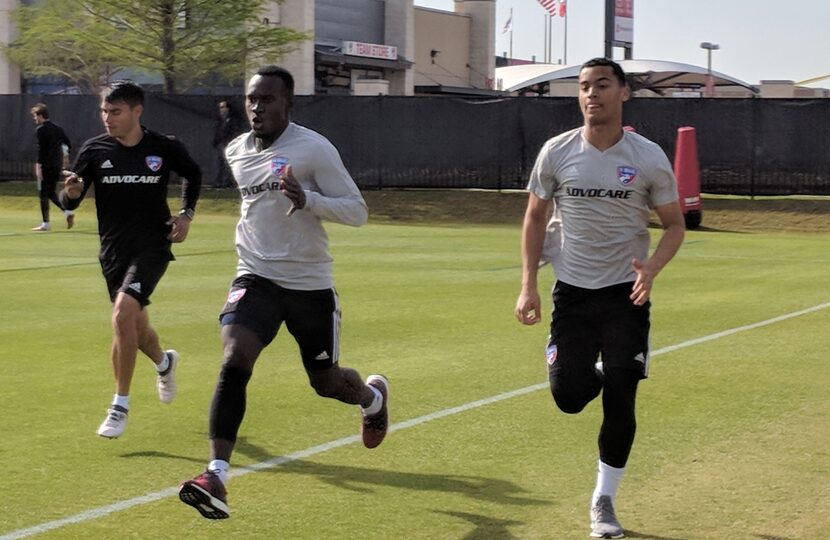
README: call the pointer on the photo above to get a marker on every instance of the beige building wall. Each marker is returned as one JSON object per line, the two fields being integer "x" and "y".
{"x": 788, "y": 89}
{"x": 811, "y": 93}
{"x": 9, "y": 73}
{"x": 482, "y": 60}
{"x": 442, "y": 48}
{"x": 735, "y": 92}
{"x": 370, "y": 87}
{"x": 777, "y": 89}
{"x": 564, "y": 89}
{"x": 400, "y": 32}
{"x": 299, "y": 15}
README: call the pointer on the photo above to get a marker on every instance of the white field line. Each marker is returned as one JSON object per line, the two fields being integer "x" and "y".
{"x": 102, "y": 511}
{"x": 747, "y": 258}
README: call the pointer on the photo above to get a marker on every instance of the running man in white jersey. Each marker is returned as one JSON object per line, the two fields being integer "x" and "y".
{"x": 602, "y": 182}
{"x": 290, "y": 179}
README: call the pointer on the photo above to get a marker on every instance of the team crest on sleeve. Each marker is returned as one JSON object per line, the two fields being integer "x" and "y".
{"x": 550, "y": 354}
{"x": 278, "y": 165}
{"x": 153, "y": 162}
{"x": 626, "y": 175}
{"x": 236, "y": 295}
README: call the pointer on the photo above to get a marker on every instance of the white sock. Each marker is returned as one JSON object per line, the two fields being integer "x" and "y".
{"x": 220, "y": 467}
{"x": 608, "y": 481}
{"x": 376, "y": 405}
{"x": 69, "y": 212}
{"x": 164, "y": 364}
{"x": 121, "y": 401}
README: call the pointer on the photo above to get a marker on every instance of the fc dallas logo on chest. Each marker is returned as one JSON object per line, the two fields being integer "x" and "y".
{"x": 626, "y": 175}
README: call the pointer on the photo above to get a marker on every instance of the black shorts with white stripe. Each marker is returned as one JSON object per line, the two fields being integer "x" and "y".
{"x": 312, "y": 317}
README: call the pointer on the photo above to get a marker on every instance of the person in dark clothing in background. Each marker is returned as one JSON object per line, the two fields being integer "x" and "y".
{"x": 52, "y": 155}
{"x": 228, "y": 127}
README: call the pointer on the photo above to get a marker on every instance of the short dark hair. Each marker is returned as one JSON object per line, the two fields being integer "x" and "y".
{"x": 40, "y": 109}
{"x": 124, "y": 90}
{"x": 282, "y": 73}
{"x": 606, "y": 62}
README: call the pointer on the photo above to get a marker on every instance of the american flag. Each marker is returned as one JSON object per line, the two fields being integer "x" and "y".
{"x": 550, "y": 6}
{"x": 508, "y": 26}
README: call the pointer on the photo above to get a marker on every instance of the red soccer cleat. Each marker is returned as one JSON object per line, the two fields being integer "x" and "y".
{"x": 374, "y": 426}
{"x": 207, "y": 494}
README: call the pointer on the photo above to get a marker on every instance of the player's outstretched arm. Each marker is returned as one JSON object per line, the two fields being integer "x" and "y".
{"x": 291, "y": 188}
{"x": 73, "y": 190}
{"x": 674, "y": 229}
{"x": 179, "y": 227}
{"x": 528, "y": 305}
{"x": 338, "y": 198}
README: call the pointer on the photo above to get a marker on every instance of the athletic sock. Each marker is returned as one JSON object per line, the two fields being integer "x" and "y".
{"x": 69, "y": 212}
{"x": 121, "y": 401}
{"x": 162, "y": 366}
{"x": 608, "y": 481}
{"x": 376, "y": 405}
{"x": 220, "y": 467}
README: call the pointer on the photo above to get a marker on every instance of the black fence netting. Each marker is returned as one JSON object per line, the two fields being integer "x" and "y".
{"x": 745, "y": 146}
{"x": 421, "y": 142}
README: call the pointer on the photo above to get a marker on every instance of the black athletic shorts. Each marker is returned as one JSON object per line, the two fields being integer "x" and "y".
{"x": 136, "y": 276}
{"x": 312, "y": 317}
{"x": 587, "y": 323}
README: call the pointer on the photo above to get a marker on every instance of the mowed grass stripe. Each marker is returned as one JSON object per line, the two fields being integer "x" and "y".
{"x": 325, "y": 447}
{"x": 96, "y": 263}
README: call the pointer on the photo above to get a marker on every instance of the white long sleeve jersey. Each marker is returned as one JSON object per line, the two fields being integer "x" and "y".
{"x": 292, "y": 251}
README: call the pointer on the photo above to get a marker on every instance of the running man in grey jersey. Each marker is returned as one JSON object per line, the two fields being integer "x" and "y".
{"x": 602, "y": 182}
{"x": 290, "y": 178}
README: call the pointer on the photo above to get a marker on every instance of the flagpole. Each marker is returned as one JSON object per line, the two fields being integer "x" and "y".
{"x": 545, "y": 43}
{"x": 511, "y": 33}
{"x": 565, "y": 54}
{"x": 550, "y": 40}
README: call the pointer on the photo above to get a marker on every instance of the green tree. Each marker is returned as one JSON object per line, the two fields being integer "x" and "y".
{"x": 52, "y": 40}
{"x": 184, "y": 41}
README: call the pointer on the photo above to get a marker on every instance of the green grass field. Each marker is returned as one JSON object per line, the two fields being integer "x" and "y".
{"x": 733, "y": 437}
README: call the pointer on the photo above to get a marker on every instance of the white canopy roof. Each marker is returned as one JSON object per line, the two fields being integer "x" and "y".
{"x": 656, "y": 75}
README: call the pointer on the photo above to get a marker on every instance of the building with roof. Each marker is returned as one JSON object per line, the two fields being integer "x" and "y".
{"x": 372, "y": 47}
{"x": 647, "y": 78}
{"x": 357, "y": 47}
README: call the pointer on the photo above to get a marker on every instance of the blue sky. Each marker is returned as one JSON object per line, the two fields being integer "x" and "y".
{"x": 759, "y": 39}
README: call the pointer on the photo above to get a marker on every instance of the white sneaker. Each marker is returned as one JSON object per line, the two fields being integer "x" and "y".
{"x": 114, "y": 424}
{"x": 42, "y": 227}
{"x": 166, "y": 384}
{"x": 604, "y": 522}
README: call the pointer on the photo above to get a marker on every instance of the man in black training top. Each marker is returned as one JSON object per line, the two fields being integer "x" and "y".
{"x": 52, "y": 155}
{"x": 130, "y": 167}
{"x": 227, "y": 129}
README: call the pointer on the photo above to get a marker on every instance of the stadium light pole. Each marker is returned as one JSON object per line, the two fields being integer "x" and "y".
{"x": 710, "y": 81}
